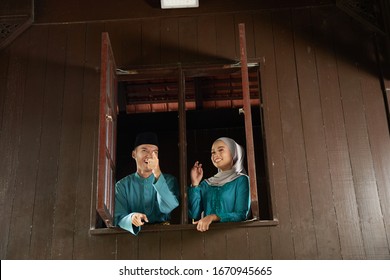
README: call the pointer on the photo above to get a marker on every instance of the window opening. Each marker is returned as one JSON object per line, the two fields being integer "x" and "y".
{"x": 188, "y": 107}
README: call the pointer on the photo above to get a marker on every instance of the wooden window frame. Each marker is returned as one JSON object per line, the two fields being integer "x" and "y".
{"x": 107, "y": 136}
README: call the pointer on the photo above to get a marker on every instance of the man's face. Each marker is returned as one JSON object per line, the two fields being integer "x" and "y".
{"x": 142, "y": 154}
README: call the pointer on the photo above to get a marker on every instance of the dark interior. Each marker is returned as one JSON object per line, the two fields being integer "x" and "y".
{"x": 203, "y": 127}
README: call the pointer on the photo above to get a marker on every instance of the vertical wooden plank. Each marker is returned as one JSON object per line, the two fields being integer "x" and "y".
{"x": 281, "y": 237}
{"x": 344, "y": 198}
{"x": 11, "y": 132}
{"x": 68, "y": 169}
{"x": 193, "y": 247}
{"x": 131, "y": 44}
{"x": 170, "y": 245}
{"x": 380, "y": 146}
{"x": 380, "y": 150}
{"x": 86, "y": 246}
{"x": 169, "y": 41}
{"x": 226, "y": 37}
{"x": 377, "y": 197}
{"x": 127, "y": 247}
{"x": 303, "y": 232}
{"x": 237, "y": 245}
{"x": 207, "y": 40}
{"x": 259, "y": 243}
{"x": 215, "y": 245}
{"x": 47, "y": 178}
{"x": 314, "y": 138}
{"x": 116, "y": 34}
{"x": 149, "y": 244}
{"x": 370, "y": 216}
{"x": 4, "y": 60}
{"x": 22, "y": 214}
{"x": 151, "y": 42}
{"x": 188, "y": 43}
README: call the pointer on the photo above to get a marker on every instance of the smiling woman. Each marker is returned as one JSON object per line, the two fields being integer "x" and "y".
{"x": 225, "y": 196}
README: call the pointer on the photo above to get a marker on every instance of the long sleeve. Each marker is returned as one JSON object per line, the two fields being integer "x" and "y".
{"x": 155, "y": 199}
{"x": 167, "y": 193}
{"x": 194, "y": 202}
{"x": 122, "y": 217}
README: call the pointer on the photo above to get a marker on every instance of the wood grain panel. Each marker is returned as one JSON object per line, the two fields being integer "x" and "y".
{"x": 47, "y": 177}
{"x": 171, "y": 245}
{"x": 206, "y": 38}
{"x": 16, "y": 7}
{"x": 169, "y": 40}
{"x": 68, "y": 169}
{"x": 193, "y": 245}
{"x": 259, "y": 243}
{"x": 303, "y": 231}
{"x": 117, "y": 36}
{"x": 371, "y": 221}
{"x": 344, "y": 198}
{"x": 188, "y": 39}
{"x": 149, "y": 245}
{"x": 215, "y": 245}
{"x": 281, "y": 238}
{"x": 378, "y": 126}
{"x": 237, "y": 244}
{"x": 131, "y": 44}
{"x": 151, "y": 42}
{"x": 326, "y": 136}
{"x": 4, "y": 59}
{"x": 86, "y": 246}
{"x": 74, "y": 10}
{"x": 380, "y": 149}
{"x": 11, "y": 131}
{"x": 127, "y": 247}
{"x": 314, "y": 137}
{"x": 27, "y": 170}
{"x": 375, "y": 194}
{"x": 226, "y": 37}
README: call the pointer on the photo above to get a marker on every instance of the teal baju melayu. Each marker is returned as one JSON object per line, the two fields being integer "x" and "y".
{"x": 156, "y": 200}
{"x": 230, "y": 202}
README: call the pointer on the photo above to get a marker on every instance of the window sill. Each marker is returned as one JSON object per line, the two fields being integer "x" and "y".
{"x": 174, "y": 227}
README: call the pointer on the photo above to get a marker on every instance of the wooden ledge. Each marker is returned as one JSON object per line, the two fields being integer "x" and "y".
{"x": 174, "y": 227}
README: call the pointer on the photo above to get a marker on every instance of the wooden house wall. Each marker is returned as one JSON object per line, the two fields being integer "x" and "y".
{"x": 327, "y": 136}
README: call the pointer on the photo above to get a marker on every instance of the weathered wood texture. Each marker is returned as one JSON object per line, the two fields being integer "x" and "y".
{"x": 327, "y": 138}
{"x": 75, "y": 11}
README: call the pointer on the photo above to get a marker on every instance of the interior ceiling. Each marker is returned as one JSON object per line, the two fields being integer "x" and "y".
{"x": 208, "y": 91}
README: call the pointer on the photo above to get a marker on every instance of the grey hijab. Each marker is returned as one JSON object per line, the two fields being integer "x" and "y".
{"x": 223, "y": 177}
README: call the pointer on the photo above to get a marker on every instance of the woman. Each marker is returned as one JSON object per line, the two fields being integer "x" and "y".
{"x": 225, "y": 197}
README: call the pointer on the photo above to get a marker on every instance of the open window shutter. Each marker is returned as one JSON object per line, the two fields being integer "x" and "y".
{"x": 250, "y": 149}
{"x": 107, "y": 134}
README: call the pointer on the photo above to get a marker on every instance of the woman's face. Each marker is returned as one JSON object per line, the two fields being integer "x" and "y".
{"x": 221, "y": 156}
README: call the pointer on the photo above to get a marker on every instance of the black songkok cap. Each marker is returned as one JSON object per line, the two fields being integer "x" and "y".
{"x": 146, "y": 138}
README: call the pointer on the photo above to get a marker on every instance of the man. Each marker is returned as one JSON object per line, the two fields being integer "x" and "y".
{"x": 146, "y": 196}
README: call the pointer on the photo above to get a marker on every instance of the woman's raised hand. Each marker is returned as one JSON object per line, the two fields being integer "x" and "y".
{"x": 196, "y": 174}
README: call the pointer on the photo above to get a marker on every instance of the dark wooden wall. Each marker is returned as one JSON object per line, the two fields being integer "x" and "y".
{"x": 327, "y": 136}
